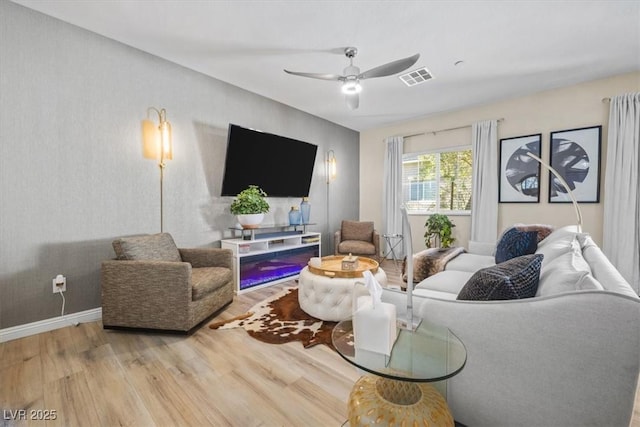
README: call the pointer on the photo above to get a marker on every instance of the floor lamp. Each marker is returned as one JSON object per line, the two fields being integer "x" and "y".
{"x": 330, "y": 167}
{"x": 564, "y": 184}
{"x": 157, "y": 145}
{"x": 411, "y": 323}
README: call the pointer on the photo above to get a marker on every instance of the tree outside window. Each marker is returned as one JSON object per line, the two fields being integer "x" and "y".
{"x": 437, "y": 182}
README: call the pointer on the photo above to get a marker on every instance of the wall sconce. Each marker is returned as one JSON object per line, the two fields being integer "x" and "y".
{"x": 331, "y": 171}
{"x": 157, "y": 144}
{"x": 331, "y": 166}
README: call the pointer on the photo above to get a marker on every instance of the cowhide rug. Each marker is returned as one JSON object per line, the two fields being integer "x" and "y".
{"x": 279, "y": 319}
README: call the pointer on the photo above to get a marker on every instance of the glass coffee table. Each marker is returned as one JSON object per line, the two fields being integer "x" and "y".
{"x": 398, "y": 392}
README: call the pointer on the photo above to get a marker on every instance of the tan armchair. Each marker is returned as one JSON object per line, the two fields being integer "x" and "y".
{"x": 357, "y": 238}
{"x": 154, "y": 285}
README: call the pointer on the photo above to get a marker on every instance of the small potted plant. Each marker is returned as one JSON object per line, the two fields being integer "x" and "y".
{"x": 439, "y": 228}
{"x": 250, "y": 206}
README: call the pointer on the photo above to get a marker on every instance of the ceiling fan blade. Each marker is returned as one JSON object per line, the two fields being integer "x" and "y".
{"x": 390, "y": 68}
{"x": 353, "y": 101}
{"x": 321, "y": 76}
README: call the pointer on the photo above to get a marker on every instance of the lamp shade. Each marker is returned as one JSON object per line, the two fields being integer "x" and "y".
{"x": 166, "y": 144}
{"x": 157, "y": 140}
{"x": 350, "y": 87}
{"x": 331, "y": 166}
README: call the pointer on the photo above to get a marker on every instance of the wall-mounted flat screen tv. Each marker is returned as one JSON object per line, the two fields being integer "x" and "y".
{"x": 281, "y": 166}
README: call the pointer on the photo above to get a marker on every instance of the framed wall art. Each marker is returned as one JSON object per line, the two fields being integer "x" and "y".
{"x": 519, "y": 180}
{"x": 575, "y": 155}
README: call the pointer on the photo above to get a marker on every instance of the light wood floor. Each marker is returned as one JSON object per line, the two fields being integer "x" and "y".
{"x": 93, "y": 377}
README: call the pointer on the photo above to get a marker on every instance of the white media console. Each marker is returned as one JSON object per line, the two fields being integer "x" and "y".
{"x": 264, "y": 259}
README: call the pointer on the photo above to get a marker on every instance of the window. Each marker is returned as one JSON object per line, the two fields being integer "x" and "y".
{"x": 437, "y": 182}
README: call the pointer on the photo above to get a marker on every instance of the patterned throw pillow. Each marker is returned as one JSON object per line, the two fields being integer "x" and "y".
{"x": 513, "y": 279}
{"x": 515, "y": 243}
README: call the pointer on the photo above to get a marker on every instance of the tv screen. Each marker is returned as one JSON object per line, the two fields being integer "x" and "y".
{"x": 281, "y": 166}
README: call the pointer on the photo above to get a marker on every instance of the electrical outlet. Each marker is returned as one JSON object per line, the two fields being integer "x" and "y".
{"x": 59, "y": 283}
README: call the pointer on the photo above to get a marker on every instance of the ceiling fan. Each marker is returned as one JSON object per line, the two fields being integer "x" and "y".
{"x": 351, "y": 79}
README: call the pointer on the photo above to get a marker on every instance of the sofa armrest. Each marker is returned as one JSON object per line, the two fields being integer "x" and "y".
{"x": 337, "y": 238}
{"x": 207, "y": 257}
{"x": 145, "y": 293}
{"x": 554, "y": 353}
{"x": 481, "y": 248}
{"x": 376, "y": 243}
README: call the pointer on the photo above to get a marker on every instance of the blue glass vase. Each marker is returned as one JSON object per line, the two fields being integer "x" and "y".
{"x": 294, "y": 216}
{"x": 305, "y": 210}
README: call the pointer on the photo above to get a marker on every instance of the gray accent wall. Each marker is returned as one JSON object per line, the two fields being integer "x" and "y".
{"x": 72, "y": 173}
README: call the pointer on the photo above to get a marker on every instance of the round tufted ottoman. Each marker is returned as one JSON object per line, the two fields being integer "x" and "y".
{"x": 330, "y": 298}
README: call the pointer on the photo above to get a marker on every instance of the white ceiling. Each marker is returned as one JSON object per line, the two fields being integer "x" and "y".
{"x": 509, "y": 48}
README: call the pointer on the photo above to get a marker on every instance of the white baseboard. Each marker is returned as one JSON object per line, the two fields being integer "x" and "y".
{"x": 34, "y": 328}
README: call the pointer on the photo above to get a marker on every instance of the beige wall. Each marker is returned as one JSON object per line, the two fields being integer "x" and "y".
{"x": 565, "y": 108}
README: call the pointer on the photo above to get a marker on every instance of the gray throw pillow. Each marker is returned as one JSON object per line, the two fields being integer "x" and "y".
{"x": 154, "y": 247}
{"x": 513, "y": 279}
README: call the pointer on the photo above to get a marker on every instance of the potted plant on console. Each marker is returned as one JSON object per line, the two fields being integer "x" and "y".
{"x": 439, "y": 228}
{"x": 249, "y": 206}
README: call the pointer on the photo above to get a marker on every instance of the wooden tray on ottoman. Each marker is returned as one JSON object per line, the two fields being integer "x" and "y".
{"x": 331, "y": 266}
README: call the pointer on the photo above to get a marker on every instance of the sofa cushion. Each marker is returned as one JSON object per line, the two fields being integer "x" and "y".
{"x": 470, "y": 262}
{"x": 558, "y": 243}
{"x": 513, "y": 279}
{"x": 357, "y": 230}
{"x": 428, "y": 293}
{"x": 207, "y": 279}
{"x": 482, "y": 248}
{"x": 588, "y": 282}
{"x": 356, "y": 247}
{"x": 602, "y": 269}
{"x": 153, "y": 247}
{"x": 565, "y": 273}
{"x": 567, "y": 230}
{"x": 446, "y": 281}
{"x": 515, "y": 243}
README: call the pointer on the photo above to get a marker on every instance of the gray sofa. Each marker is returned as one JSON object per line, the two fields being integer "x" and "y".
{"x": 569, "y": 356}
{"x": 155, "y": 285}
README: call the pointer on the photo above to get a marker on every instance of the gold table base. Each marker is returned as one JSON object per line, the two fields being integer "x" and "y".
{"x": 385, "y": 402}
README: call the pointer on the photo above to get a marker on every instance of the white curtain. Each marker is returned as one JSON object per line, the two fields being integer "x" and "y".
{"x": 621, "y": 225}
{"x": 484, "y": 188}
{"x": 392, "y": 190}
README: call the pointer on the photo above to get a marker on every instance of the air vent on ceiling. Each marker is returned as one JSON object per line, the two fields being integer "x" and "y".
{"x": 416, "y": 77}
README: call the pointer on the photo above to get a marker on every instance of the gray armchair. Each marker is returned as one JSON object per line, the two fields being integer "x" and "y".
{"x": 357, "y": 238}
{"x": 154, "y": 285}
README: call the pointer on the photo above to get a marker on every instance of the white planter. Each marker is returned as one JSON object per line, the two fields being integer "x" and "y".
{"x": 250, "y": 220}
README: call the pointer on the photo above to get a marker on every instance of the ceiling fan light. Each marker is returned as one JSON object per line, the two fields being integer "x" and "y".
{"x": 351, "y": 87}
